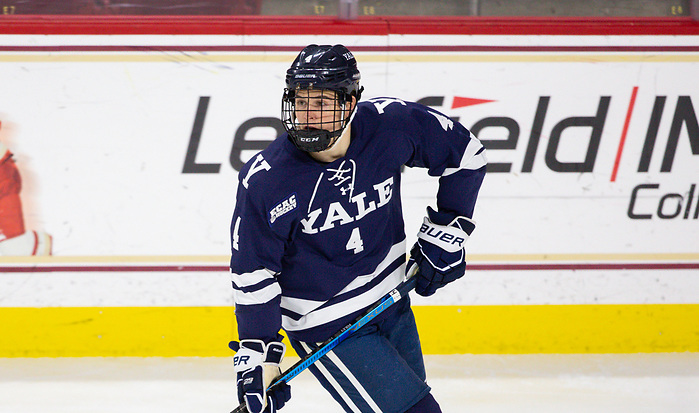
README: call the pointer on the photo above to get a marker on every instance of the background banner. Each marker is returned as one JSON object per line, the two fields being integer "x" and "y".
{"x": 137, "y": 153}
{"x": 128, "y": 149}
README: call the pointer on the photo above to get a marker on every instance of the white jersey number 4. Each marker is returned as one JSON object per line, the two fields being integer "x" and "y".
{"x": 235, "y": 238}
{"x": 355, "y": 242}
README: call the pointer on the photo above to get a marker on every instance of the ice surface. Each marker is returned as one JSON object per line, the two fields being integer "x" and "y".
{"x": 597, "y": 383}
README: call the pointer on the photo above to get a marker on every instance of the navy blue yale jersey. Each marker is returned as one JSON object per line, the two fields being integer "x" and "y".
{"x": 314, "y": 244}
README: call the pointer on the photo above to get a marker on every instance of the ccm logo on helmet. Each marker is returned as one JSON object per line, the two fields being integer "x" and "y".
{"x": 441, "y": 235}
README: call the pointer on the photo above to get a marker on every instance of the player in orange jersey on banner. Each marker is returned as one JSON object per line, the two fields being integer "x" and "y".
{"x": 14, "y": 238}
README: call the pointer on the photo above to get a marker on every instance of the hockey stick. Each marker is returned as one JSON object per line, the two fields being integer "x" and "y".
{"x": 377, "y": 308}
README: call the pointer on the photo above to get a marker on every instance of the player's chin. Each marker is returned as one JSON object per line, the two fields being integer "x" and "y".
{"x": 313, "y": 129}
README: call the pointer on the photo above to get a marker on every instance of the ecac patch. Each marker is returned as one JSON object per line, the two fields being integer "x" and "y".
{"x": 284, "y": 207}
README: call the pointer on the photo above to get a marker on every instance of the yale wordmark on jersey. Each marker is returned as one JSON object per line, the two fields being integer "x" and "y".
{"x": 336, "y": 214}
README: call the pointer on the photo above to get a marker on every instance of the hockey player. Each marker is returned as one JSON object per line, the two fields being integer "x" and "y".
{"x": 318, "y": 236}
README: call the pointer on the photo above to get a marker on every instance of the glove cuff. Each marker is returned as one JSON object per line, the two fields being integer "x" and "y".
{"x": 249, "y": 355}
{"x": 451, "y": 220}
{"x": 274, "y": 352}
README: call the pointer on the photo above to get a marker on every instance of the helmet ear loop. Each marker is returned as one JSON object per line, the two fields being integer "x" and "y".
{"x": 341, "y": 118}
{"x": 344, "y": 120}
{"x": 346, "y": 117}
{"x": 344, "y": 100}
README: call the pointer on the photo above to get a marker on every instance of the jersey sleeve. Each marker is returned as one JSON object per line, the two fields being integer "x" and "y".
{"x": 256, "y": 253}
{"x": 449, "y": 151}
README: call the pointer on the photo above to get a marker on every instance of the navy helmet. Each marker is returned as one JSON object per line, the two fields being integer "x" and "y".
{"x": 324, "y": 67}
{"x": 320, "y": 68}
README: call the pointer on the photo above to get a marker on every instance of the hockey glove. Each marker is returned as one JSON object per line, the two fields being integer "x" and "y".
{"x": 440, "y": 252}
{"x": 256, "y": 366}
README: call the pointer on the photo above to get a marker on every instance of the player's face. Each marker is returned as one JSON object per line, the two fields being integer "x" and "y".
{"x": 318, "y": 109}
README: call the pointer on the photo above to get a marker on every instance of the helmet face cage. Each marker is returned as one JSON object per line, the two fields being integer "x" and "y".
{"x": 315, "y": 118}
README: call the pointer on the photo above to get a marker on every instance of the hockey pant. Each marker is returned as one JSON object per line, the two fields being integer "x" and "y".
{"x": 378, "y": 369}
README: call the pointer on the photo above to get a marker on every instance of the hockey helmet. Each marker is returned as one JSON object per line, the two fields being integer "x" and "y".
{"x": 323, "y": 68}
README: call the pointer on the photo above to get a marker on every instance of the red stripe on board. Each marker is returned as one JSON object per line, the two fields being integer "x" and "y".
{"x": 423, "y": 48}
{"x": 364, "y": 25}
{"x": 623, "y": 133}
{"x": 470, "y": 267}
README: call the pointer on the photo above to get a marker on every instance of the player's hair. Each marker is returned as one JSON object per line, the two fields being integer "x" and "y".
{"x": 320, "y": 68}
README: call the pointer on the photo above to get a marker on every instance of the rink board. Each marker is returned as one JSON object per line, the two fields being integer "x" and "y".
{"x": 506, "y": 304}
{"x": 205, "y": 331}
{"x": 130, "y": 146}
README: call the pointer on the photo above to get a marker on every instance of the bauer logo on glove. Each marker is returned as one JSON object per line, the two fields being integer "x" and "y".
{"x": 448, "y": 238}
{"x": 440, "y": 251}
